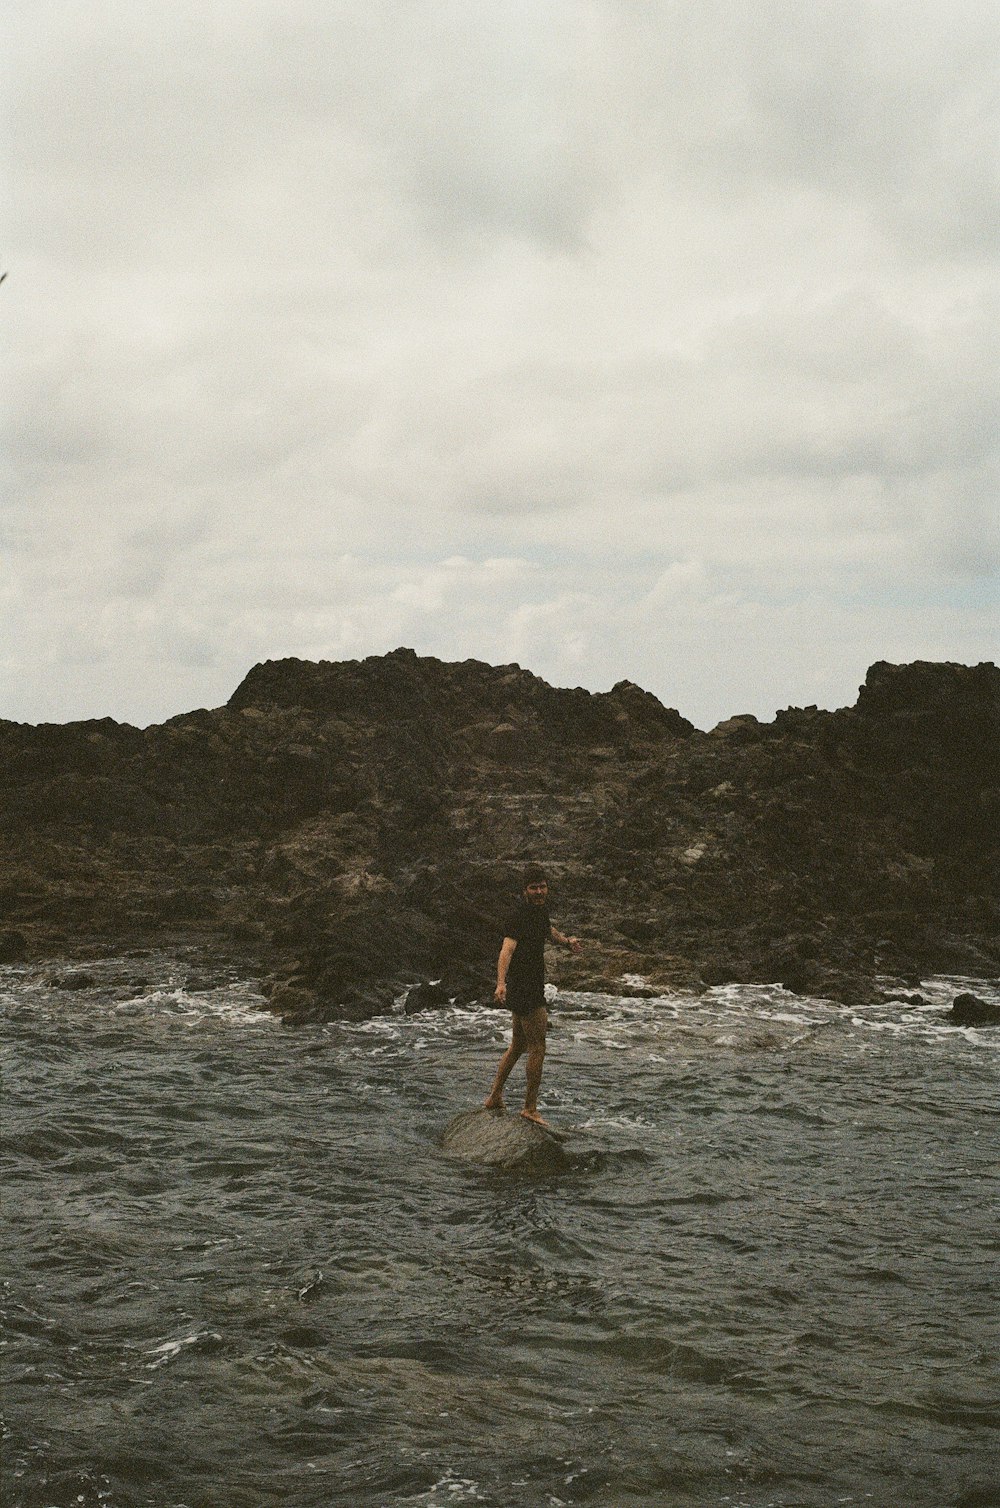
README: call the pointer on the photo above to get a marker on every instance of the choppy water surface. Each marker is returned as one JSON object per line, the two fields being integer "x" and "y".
{"x": 241, "y": 1273}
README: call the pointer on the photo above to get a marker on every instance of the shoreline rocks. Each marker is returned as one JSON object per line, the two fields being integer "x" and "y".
{"x": 357, "y": 830}
{"x": 969, "y": 1010}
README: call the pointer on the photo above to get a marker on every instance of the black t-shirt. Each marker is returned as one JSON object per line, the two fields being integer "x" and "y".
{"x": 529, "y": 926}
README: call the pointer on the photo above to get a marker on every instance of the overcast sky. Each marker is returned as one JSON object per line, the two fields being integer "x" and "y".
{"x": 646, "y": 339}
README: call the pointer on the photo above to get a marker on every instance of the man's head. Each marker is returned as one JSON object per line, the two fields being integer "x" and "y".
{"x": 535, "y": 887}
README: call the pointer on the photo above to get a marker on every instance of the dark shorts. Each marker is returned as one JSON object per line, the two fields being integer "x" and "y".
{"x": 523, "y": 1002}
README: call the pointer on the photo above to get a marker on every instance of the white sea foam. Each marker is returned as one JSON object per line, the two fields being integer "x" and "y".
{"x": 618, "y": 1123}
{"x": 164, "y": 994}
{"x": 450, "y": 1489}
{"x": 170, "y": 1349}
{"x": 733, "y": 1017}
{"x": 234, "y": 1004}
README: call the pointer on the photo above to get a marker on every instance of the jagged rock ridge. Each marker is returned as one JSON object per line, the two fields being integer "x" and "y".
{"x": 358, "y": 826}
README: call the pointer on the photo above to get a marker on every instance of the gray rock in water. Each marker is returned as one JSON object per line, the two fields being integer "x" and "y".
{"x": 499, "y": 1140}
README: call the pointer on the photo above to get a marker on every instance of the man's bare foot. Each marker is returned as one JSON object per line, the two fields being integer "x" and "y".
{"x": 533, "y": 1115}
{"x": 494, "y": 1102}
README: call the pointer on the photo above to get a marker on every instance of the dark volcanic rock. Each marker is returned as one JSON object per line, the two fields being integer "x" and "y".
{"x": 795, "y": 964}
{"x": 969, "y": 1010}
{"x": 350, "y": 828}
{"x": 431, "y": 995}
{"x": 744, "y": 728}
{"x": 13, "y": 947}
{"x": 72, "y": 981}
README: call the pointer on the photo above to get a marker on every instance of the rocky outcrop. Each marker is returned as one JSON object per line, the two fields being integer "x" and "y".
{"x": 496, "y": 1139}
{"x": 969, "y": 1010}
{"x": 355, "y": 831}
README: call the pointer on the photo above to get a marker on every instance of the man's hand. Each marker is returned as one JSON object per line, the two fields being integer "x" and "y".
{"x": 573, "y": 943}
{"x": 500, "y": 994}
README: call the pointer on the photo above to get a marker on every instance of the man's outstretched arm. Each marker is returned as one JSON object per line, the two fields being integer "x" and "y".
{"x": 573, "y": 943}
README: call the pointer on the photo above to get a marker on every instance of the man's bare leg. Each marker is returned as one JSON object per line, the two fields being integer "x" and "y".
{"x": 534, "y": 1026}
{"x": 494, "y": 1100}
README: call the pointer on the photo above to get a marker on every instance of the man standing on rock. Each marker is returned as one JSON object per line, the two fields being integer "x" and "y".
{"x": 521, "y": 987}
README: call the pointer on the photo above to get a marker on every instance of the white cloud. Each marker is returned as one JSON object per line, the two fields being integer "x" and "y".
{"x": 645, "y": 341}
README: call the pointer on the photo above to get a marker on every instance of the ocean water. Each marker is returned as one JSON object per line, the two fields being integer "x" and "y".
{"x": 240, "y": 1271}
